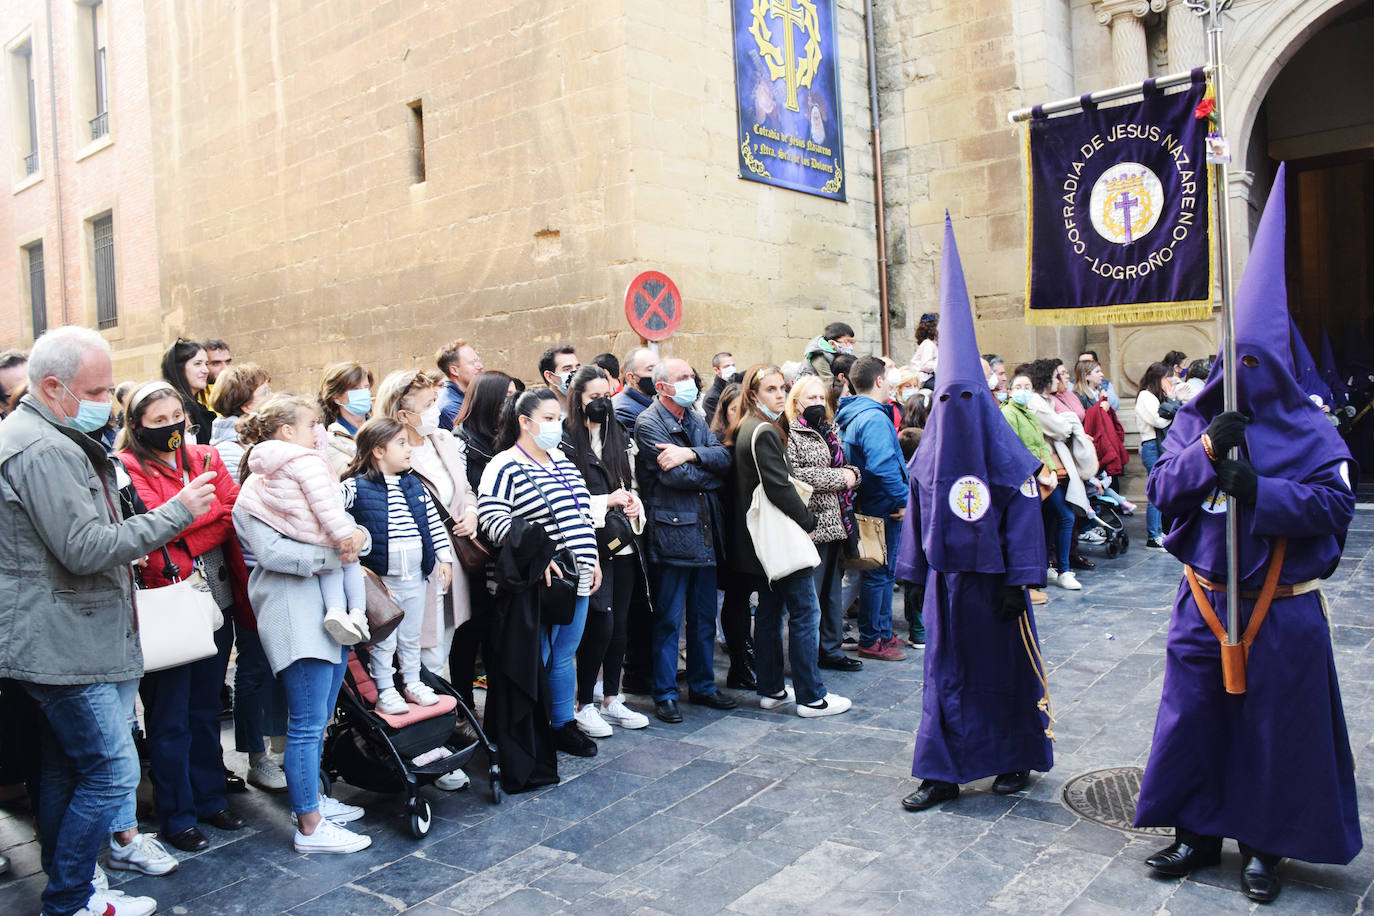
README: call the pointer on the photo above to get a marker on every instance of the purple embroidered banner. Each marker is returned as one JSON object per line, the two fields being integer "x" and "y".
{"x": 1119, "y": 209}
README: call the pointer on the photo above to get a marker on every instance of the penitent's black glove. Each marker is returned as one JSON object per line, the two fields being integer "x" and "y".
{"x": 1013, "y": 603}
{"x": 1237, "y": 477}
{"x": 1227, "y": 431}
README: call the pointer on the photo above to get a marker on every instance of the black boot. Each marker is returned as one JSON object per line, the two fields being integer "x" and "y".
{"x": 741, "y": 675}
{"x": 1189, "y": 851}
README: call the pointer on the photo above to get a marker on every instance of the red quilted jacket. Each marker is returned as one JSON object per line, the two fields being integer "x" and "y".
{"x": 1101, "y": 423}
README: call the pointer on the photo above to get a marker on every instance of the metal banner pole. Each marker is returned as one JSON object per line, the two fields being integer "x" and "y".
{"x": 1213, "y": 9}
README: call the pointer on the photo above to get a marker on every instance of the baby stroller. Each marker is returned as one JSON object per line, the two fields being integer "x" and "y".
{"x": 1103, "y": 526}
{"x": 378, "y": 752}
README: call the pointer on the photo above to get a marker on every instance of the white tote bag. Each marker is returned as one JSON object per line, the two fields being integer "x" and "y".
{"x": 177, "y": 622}
{"x": 781, "y": 545}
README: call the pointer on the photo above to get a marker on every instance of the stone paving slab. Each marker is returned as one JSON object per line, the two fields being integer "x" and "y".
{"x": 758, "y": 812}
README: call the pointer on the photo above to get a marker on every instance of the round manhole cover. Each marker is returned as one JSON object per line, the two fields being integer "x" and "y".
{"x": 1108, "y": 797}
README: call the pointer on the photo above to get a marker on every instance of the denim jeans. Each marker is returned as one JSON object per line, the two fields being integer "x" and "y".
{"x": 259, "y": 698}
{"x": 127, "y": 817}
{"x": 828, "y": 579}
{"x": 1059, "y": 525}
{"x": 690, "y": 592}
{"x": 560, "y": 659}
{"x": 312, "y": 687}
{"x": 875, "y": 594}
{"x": 181, "y": 708}
{"x": 794, "y": 596}
{"x": 1154, "y": 522}
{"x": 90, "y": 768}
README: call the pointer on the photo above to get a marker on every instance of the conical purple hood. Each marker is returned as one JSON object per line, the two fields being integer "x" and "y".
{"x": 1305, "y": 367}
{"x": 970, "y": 462}
{"x": 1331, "y": 374}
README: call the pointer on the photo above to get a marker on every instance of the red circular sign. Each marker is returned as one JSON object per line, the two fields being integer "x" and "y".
{"x": 653, "y": 305}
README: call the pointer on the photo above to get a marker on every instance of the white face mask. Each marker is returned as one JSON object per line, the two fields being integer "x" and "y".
{"x": 728, "y": 373}
{"x": 894, "y": 377}
{"x": 429, "y": 421}
{"x": 992, "y": 382}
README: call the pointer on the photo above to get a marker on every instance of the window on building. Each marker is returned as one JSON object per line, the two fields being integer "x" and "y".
{"x": 38, "y": 290}
{"x": 417, "y": 141}
{"x": 103, "y": 266}
{"x": 24, "y": 101}
{"x": 91, "y": 70}
{"x": 100, "y": 124}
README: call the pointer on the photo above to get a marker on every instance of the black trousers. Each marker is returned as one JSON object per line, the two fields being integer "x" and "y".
{"x": 603, "y": 638}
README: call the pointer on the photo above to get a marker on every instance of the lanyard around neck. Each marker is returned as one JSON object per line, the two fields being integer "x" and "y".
{"x": 552, "y": 470}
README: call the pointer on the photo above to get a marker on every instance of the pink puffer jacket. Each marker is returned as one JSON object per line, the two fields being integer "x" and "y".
{"x": 294, "y": 490}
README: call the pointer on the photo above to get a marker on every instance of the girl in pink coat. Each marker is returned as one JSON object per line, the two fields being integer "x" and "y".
{"x": 293, "y": 489}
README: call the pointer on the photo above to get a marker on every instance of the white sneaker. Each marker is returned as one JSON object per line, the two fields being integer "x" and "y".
{"x": 332, "y": 838}
{"x": 339, "y": 812}
{"x": 767, "y": 702}
{"x": 100, "y": 881}
{"x": 337, "y": 624}
{"x": 620, "y": 714}
{"x": 267, "y": 775}
{"x": 1068, "y": 581}
{"x": 143, "y": 854}
{"x": 358, "y": 617}
{"x": 591, "y": 723}
{"x": 453, "y": 780}
{"x": 598, "y": 694}
{"x": 421, "y": 694}
{"x": 118, "y": 903}
{"x": 1052, "y": 576}
{"x": 1096, "y": 536}
{"x": 828, "y": 705}
{"x": 389, "y": 701}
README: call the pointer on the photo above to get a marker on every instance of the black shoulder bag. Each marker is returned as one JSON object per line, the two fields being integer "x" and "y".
{"x": 558, "y": 599}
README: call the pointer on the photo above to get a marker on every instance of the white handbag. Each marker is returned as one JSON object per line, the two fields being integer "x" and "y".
{"x": 177, "y": 622}
{"x": 781, "y": 545}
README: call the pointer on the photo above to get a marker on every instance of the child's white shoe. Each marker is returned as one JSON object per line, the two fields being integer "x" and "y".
{"x": 358, "y": 617}
{"x": 337, "y": 624}
{"x": 420, "y": 694}
{"x": 390, "y": 702}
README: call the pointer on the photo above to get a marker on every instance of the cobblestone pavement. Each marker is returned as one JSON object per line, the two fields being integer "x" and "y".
{"x": 757, "y": 812}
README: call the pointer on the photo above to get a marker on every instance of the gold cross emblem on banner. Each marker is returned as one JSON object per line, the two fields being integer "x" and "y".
{"x": 783, "y": 61}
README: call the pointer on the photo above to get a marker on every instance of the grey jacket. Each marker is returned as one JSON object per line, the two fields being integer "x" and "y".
{"x": 285, "y": 594}
{"x": 66, "y": 586}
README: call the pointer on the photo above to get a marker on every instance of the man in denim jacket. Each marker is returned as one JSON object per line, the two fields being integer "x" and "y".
{"x": 681, "y": 466}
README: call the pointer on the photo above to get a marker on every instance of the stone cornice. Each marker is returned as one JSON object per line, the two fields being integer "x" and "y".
{"x": 1107, "y": 10}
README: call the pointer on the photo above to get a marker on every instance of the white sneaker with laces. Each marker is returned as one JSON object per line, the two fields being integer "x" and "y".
{"x": 267, "y": 775}
{"x": 1096, "y": 536}
{"x": 340, "y": 812}
{"x": 340, "y": 628}
{"x": 118, "y": 903}
{"x": 829, "y": 705}
{"x": 143, "y": 854}
{"x": 390, "y": 702}
{"x": 591, "y": 723}
{"x": 767, "y": 702}
{"x": 330, "y": 837}
{"x": 1069, "y": 582}
{"x": 452, "y": 781}
{"x": 358, "y": 617}
{"x": 1052, "y": 576}
{"x": 421, "y": 694}
{"x": 619, "y": 714}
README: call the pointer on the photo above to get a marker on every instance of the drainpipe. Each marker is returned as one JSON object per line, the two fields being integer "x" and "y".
{"x": 57, "y": 172}
{"x": 879, "y": 214}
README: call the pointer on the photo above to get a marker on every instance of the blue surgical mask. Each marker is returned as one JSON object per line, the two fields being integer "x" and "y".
{"x": 1022, "y": 397}
{"x": 685, "y": 393}
{"x": 90, "y": 415}
{"x": 359, "y": 402}
{"x": 549, "y": 435}
{"x": 770, "y": 414}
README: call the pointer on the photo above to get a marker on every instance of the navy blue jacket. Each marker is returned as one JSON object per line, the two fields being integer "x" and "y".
{"x": 870, "y": 442}
{"x": 369, "y": 510}
{"x": 629, "y": 403}
{"x": 450, "y": 402}
{"x": 684, "y": 516}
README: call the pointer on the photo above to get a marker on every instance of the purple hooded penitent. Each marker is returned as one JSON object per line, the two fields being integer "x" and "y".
{"x": 1272, "y": 767}
{"x": 1305, "y": 367}
{"x": 972, "y": 526}
{"x": 1340, "y": 394}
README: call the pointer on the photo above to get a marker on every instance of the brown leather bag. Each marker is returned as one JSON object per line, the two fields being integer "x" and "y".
{"x": 383, "y": 612}
{"x": 472, "y": 553}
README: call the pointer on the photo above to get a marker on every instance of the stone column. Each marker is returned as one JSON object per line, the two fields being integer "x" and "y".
{"x": 1187, "y": 38}
{"x": 1130, "y": 56}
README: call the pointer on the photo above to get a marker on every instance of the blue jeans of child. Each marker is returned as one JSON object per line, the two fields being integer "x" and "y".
{"x": 795, "y": 597}
{"x": 690, "y": 592}
{"x": 875, "y": 595}
{"x": 1154, "y": 522}
{"x": 560, "y": 658}
{"x": 312, "y": 687}
{"x": 90, "y": 768}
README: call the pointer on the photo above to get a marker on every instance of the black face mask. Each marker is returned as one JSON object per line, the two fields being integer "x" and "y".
{"x": 162, "y": 438}
{"x": 646, "y": 386}
{"x": 814, "y": 416}
{"x": 598, "y": 410}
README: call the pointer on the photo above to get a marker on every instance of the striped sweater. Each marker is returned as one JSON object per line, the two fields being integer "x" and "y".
{"x": 508, "y": 489}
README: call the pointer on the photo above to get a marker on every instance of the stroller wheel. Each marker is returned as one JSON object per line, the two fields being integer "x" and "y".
{"x": 420, "y": 819}
{"x": 1125, "y": 542}
{"x": 325, "y": 782}
{"x": 494, "y": 774}
{"x": 1113, "y": 548}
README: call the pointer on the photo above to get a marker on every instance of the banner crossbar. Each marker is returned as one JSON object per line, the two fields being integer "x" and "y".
{"x": 1108, "y": 95}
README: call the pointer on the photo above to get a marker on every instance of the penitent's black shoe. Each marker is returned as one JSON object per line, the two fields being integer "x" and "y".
{"x": 1180, "y": 858}
{"x": 1259, "y": 878}
{"x": 930, "y": 794}
{"x": 667, "y": 711}
{"x": 1008, "y": 783}
{"x": 717, "y": 700}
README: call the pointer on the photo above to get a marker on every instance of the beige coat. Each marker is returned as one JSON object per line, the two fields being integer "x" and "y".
{"x": 456, "y": 604}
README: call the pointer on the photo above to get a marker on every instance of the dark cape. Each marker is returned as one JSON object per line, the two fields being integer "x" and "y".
{"x": 973, "y": 526}
{"x": 518, "y": 700}
{"x": 1271, "y": 768}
